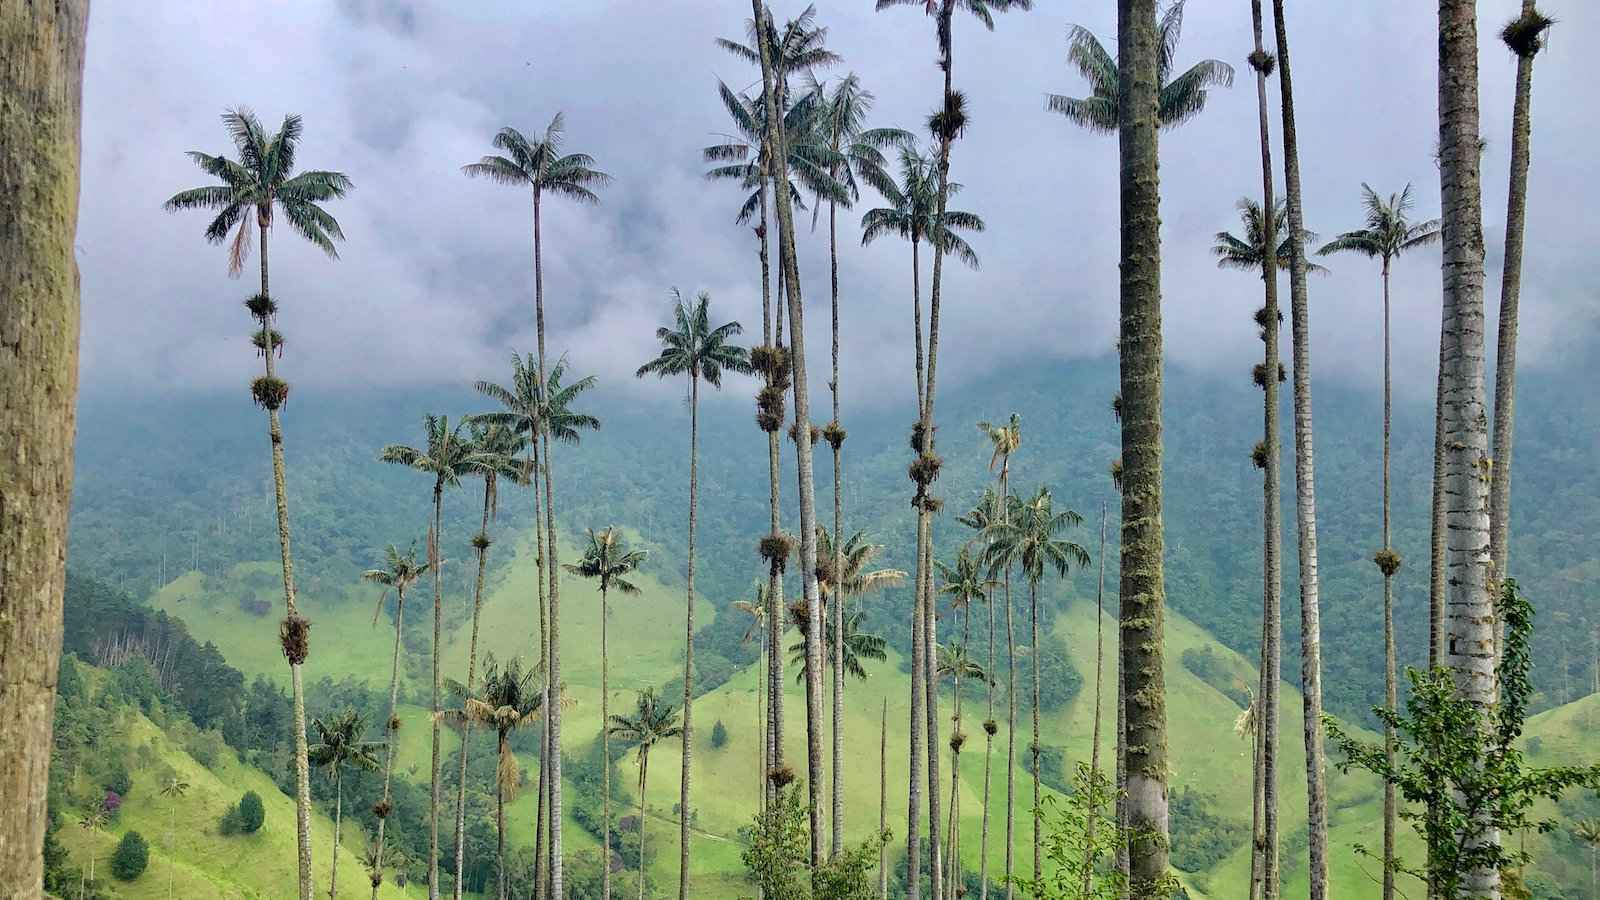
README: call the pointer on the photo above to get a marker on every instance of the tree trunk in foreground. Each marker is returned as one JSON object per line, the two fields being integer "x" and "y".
{"x": 1471, "y": 624}
{"x": 1305, "y": 485}
{"x": 436, "y": 563}
{"x": 1143, "y": 584}
{"x": 688, "y": 648}
{"x": 472, "y": 674}
{"x": 1094, "y": 744}
{"x": 41, "y": 81}
{"x": 338, "y": 820}
{"x": 389, "y": 728}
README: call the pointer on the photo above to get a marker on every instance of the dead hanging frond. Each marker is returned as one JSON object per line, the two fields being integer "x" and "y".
{"x": 1388, "y": 562}
{"x": 950, "y": 122}
{"x": 1116, "y": 405}
{"x": 1258, "y": 374}
{"x": 916, "y": 435}
{"x": 394, "y": 724}
{"x": 1116, "y": 474}
{"x": 770, "y": 408}
{"x": 481, "y": 541}
{"x": 261, "y": 306}
{"x": 794, "y": 433}
{"x": 930, "y": 503}
{"x": 834, "y": 434}
{"x": 776, "y": 549}
{"x": 1258, "y": 454}
{"x": 771, "y": 361}
{"x": 1524, "y": 35}
{"x": 294, "y": 634}
{"x": 957, "y": 741}
{"x": 991, "y": 727}
{"x": 1263, "y": 62}
{"x": 382, "y": 808}
{"x": 924, "y": 470}
{"x": 780, "y": 776}
{"x": 268, "y": 392}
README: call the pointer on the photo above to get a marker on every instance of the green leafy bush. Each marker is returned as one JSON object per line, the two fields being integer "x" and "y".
{"x": 719, "y": 735}
{"x": 131, "y": 857}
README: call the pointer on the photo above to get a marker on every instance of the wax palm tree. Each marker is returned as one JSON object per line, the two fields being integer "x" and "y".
{"x": 857, "y": 645}
{"x": 1032, "y": 539}
{"x": 955, "y": 662}
{"x": 447, "y": 455}
{"x": 173, "y": 790}
{"x": 1004, "y": 438}
{"x": 540, "y": 166}
{"x": 1178, "y": 99}
{"x": 807, "y": 163}
{"x": 1588, "y": 831}
{"x": 1471, "y": 621}
{"x": 653, "y": 721}
{"x": 913, "y": 215}
{"x": 510, "y": 699}
{"x": 1247, "y": 251}
{"x": 400, "y": 571}
{"x": 93, "y": 822}
{"x": 607, "y": 560}
{"x": 540, "y": 413}
{"x": 1524, "y": 36}
{"x": 494, "y": 449}
{"x": 755, "y": 610}
{"x": 964, "y": 584}
{"x": 1305, "y": 484}
{"x": 340, "y": 746}
{"x": 1389, "y": 232}
{"x": 693, "y": 347}
{"x": 253, "y": 187}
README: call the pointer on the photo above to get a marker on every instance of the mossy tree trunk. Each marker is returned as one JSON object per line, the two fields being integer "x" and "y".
{"x": 390, "y": 728}
{"x": 41, "y": 81}
{"x": 481, "y": 544}
{"x": 1143, "y": 587}
{"x": 684, "y": 809}
{"x": 436, "y": 564}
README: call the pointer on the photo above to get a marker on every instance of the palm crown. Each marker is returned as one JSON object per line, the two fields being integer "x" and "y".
{"x": 510, "y": 699}
{"x": 608, "y": 560}
{"x": 1178, "y": 99}
{"x": 1031, "y": 538}
{"x": 982, "y": 10}
{"x": 852, "y": 578}
{"x": 528, "y": 409}
{"x": 653, "y": 721}
{"x": 858, "y": 644}
{"x": 447, "y": 455}
{"x": 802, "y": 46}
{"x": 400, "y": 571}
{"x": 965, "y": 581}
{"x": 913, "y": 210}
{"x": 954, "y": 660}
{"x": 340, "y": 743}
{"x": 693, "y": 347}
{"x": 842, "y": 126}
{"x": 1250, "y": 251}
{"x": 1388, "y": 233}
{"x": 742, "y": 156}
{"x": 539, "y": 164}
{"x": 259, "y": 180}
{"x": 1005, "y": 437}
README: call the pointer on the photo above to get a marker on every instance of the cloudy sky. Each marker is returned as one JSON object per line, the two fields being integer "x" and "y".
{"x": 434, "y": 284}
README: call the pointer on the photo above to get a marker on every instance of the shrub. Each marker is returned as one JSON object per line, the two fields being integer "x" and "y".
{"x": 719, "y": 735}
{"x": 207, "y": 747}
{"x": 117, "y": 779}
{"x": 251, "y": 813}
{"x": 131, "y": 857}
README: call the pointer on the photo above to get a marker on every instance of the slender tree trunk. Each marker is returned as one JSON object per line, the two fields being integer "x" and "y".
{"x": 541, "y": 867}
{"x": 775, "y": 567}
{"x": 389, "y": 728}
{"x": 605, "y": 749}
{"x": 916, "y": 321}
{"x": 918, "y": 670}
{"x": 436, "y": 563}
{"x": 553, "y": 568}
{"x": 1034, "y": 748}
{"x": 1271, "y": 505}
{"x": 807, "y": 491}
{"x": 1436, "y": 535}
{"x": 338, "y": 818}
{"x": 1011, "y": 699}
{"x": 41, "y": 79}
{"x": 1258, "y": 777}
{"x": 1471, "y": 623}
{"x": 1094, "y": 744}
{"x": 953, "y": 816}
{"x": 930, "y": 679}
{"x": 1305, "y": 485}
{"x": 644, "y": 772}
{"x": 838, "y": 543}
{"x": 883, "y": 800}
{"x": 500, "y": 828}
{"x": 688, "y": 647}
{"x": 1143, "y": 590}
{"x": 1390, "y": 681}
{"x": 988, "y": 753}
{"x": 472, "y": 674}
{"x": 1505, "y": 370}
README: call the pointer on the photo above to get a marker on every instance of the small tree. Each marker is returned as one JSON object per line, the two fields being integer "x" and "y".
{"x": 1458, "y": 767}
{"x": 131, "y": 857}
{"x": 251, "y": 813}
{"x": 719, "y": 735}
{"x": 1080, "y": 858}
{"x": 780, "y": 846}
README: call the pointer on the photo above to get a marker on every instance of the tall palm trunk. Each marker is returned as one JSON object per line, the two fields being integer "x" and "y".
{"x": 41, "y": 79}
{"x": 1094, "y": 744}
{"x": 644, "y": 772}
{"x": 302, "y": 768}
{"x": 1390, "y": 681}
{"x": 1143, "y": 590}
{"x": 482, "y": 545}
{"x": 1034, "y": 749}
{"x": 918, "y": 670}
{"x": 338, "y": 819}
{"x": 1271, "y": 505}
{"x": 605, "y": 749}
{"x": 541, "y": 867}
{"x": 953, "y": 815}
{"x": 389, "y": 726}
{"x": 775, "y": 567}
{"x": 930, "y": 679}
{"x": 436, "y": 563}
{"x": 1305, "y": 485}
{"x": 1505, "y": 370}
{"x": 988, "y": 753}
{"x": 883, "y": 800}
{"x": 688, "y": 647}
{"x": 802, "y": 416}
{"x": 553, "y": 568}
{"x": 500, "y": 824}
{"x": 1471, "y": 618}
{"x": 836, "y": 439}
{"x": 1011, "y": 700}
